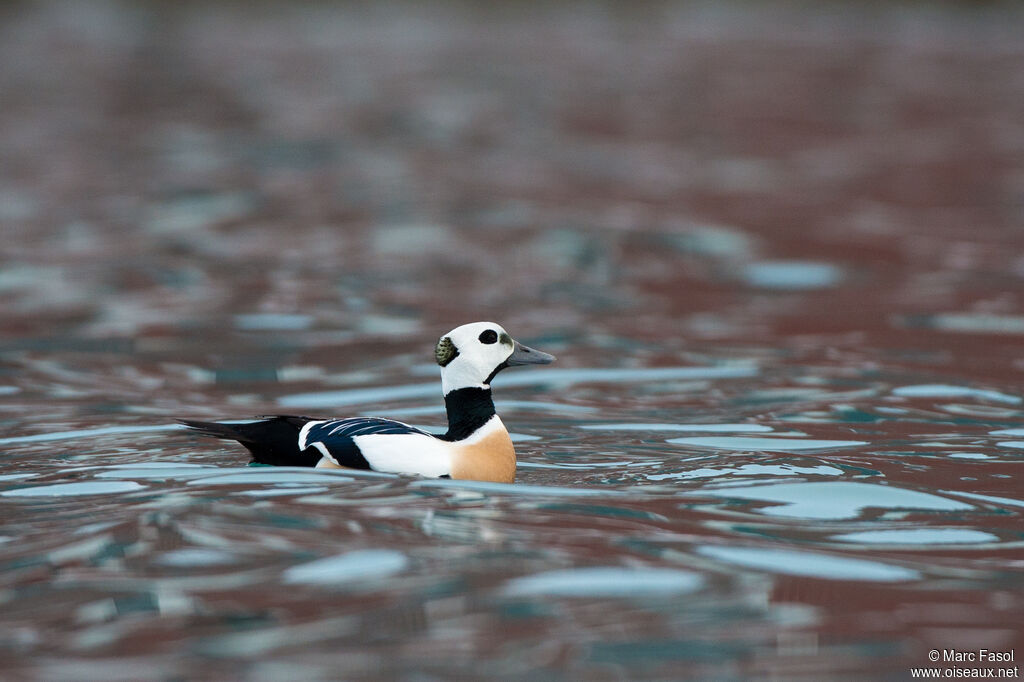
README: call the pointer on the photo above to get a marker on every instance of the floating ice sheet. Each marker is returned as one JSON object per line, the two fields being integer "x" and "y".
{"x": 763, "y": 444}
{"x": 608, "y": 581}
{"x": 835, "y": 499}
{"x": 808, "y": 564}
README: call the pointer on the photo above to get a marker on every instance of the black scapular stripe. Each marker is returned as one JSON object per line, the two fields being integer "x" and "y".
{"x": 337, "y": 436}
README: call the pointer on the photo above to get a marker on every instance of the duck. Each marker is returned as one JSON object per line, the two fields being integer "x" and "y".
{"x": 476, "y": 446}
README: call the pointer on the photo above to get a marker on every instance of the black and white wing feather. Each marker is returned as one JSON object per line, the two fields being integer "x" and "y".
{"x": 336, "y": 438}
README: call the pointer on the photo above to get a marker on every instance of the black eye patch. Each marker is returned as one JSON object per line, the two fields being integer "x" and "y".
{"x": 488, "y": 336}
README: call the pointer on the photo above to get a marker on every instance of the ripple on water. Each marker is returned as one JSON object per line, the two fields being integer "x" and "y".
{"x": 834, "y": 499}
{"x": 792, "y": 275}
{"x": 191, "y": 557}
{"x": 1007, "y": 432}
{"x": 544, "y": 377}
{"x": 16, "y": 477}
{"x": 513, "y": 488}
{"x": 360, "y": 565}
{"x": 273, "y": 322}
{"x": 89, "y": 433}
{"x": 751, "y": 470}
{"x": 274, "y": 477}
{"x": 75, "y": 489}
{"x": 700, "y": 428}
{"x": 950, "y": 391}
{"x": 809, "y": 564}
{"x": 918, "y": 536}
{"x": 287, "y": 489}
{"x": 605, "y": 581}
{"x": 992, "y": 499}
{"x": 160, "y": 473}
{"x": 969, "y": 455}
{"x": 741, "y": 443}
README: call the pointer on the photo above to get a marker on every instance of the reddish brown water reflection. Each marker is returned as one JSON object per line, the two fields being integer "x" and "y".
{"x": 221, "y": 211}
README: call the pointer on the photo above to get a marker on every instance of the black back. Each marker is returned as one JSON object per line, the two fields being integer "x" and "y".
{"x": 271, "y": 441}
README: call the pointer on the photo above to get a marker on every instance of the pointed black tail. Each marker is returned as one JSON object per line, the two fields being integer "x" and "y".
{"x": 274, "y": 440}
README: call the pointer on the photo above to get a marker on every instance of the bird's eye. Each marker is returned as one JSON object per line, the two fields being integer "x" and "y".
{"x": 488, "y": 336}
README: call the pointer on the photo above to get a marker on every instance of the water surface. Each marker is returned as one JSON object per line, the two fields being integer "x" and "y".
{"x": 777, "y": 253}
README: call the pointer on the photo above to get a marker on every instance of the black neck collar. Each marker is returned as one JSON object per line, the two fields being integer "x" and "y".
{"x": 468, "y": 410}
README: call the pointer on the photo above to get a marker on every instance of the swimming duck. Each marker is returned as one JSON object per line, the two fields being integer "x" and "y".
{"x": 475, "y": 447}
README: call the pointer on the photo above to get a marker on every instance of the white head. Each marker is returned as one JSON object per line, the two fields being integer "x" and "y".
{"x": 472, "y": 354}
